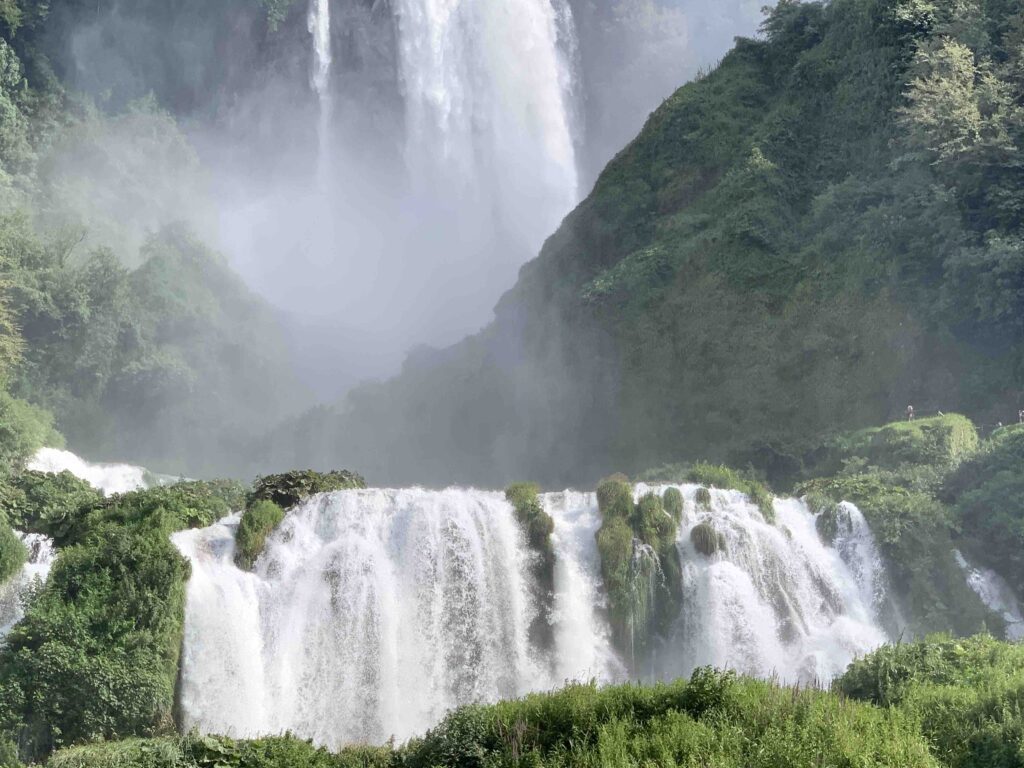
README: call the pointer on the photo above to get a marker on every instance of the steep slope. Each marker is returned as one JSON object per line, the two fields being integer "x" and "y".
{"x": 820, "y": 231}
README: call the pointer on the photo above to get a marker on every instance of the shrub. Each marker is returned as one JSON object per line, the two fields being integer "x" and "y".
{"x": 707, "y": 540}
{"x": 288, "y": 489}
{"x": 672, "y": 500}
{"x": 257, "y": 523}
{"x": 24, "y": 429}
{"x": 50, "y": 504}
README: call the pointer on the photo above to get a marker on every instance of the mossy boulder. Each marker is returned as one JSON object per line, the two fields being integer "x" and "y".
{"x": 706, "y": 539}
{"x": 615, "y": 497}
{"x": 703, "y": 498}
{"x": 257, "y": 523}
{"x": 290, "y": 488}
{"x": 537, "y": 526}
{"x": 672, "y": 500}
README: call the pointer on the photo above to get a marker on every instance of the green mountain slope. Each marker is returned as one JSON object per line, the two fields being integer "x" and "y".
{"x": 825, "y": 228}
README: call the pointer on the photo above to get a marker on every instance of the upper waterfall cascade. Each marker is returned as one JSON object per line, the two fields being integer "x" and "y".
{"x": 371, "y": 613}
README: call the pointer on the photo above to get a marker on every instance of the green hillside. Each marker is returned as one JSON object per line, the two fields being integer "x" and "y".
{"x": 824, "y": 229}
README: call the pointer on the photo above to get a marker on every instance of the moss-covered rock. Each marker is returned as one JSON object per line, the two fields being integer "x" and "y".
{"x": 703, "y": 498}
{"x": 537, "y": 526}
{"x": 289, "y": 488}
{"x": 257, "y": 523}
{"x": 706, "y": 539}
{"x": 640, "y": 567}
{"x": 615, "y": 497}
{"x": 672, "y": 500}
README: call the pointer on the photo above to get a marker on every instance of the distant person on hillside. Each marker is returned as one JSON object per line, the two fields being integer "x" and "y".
{"x": 910, "y": 413}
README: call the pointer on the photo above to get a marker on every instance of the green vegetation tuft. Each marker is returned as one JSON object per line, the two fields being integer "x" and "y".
{"x": 50, "y": 504}
{"x": 718, "y": 476}
{"x": 257, "y": 523}
{"x": 672, "y": 500}
{"x": 290, "y": 488}
{"x": 706, "y": 539}
{"x": 537, "y": 526}
{"x": 703, "y": 498}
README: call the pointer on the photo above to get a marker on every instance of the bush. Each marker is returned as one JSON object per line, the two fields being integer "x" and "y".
{"x": 966, "y": 694}
{"x": 288, "y": 489}
{"x": 615, "y": 497}
{"x": 941, "y": 441}
{"x": 50, "y": 504}
{"x": 96, "y": 655}
{"x": 257, "y": 523}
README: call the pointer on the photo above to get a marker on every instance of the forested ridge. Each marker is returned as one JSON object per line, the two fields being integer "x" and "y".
{"x": 119, "y": 328}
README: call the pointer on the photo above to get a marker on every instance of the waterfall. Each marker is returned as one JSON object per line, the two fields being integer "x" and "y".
{"x": 36, "y": 569}
{"x": 106, "y": 478}
{"x": 996, "y": 594}
{"x": 488, "y": 90}
{"x": 371, "y": 613}
{"x": 319, "y": 24}
{"x": 776, "y": 600}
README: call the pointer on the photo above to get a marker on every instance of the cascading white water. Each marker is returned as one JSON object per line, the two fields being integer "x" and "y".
{"x": 776, "y": 600}
{"x": 319, "y": 23}
{"x": 583, "y": 647}
{"x": 36, "y": 569}
{"x": 371, "y": 613}
{"x": 996, "y": 594}
{"x": 488, "y": 90}
{"x": 106, "y": 478}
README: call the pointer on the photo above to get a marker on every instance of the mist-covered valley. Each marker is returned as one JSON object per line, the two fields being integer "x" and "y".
{"x": 397, "y": 383}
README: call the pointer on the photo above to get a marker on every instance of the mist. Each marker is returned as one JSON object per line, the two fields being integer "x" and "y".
{"x": 379, "y": 172}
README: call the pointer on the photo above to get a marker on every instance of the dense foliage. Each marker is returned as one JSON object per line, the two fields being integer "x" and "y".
{"x": 290, "y": 488}
{"x": 987, "y": 494}
{"x": 894, "y": 474}
{"x": 96, "y": 655}
{"x": 537, "y": 526}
